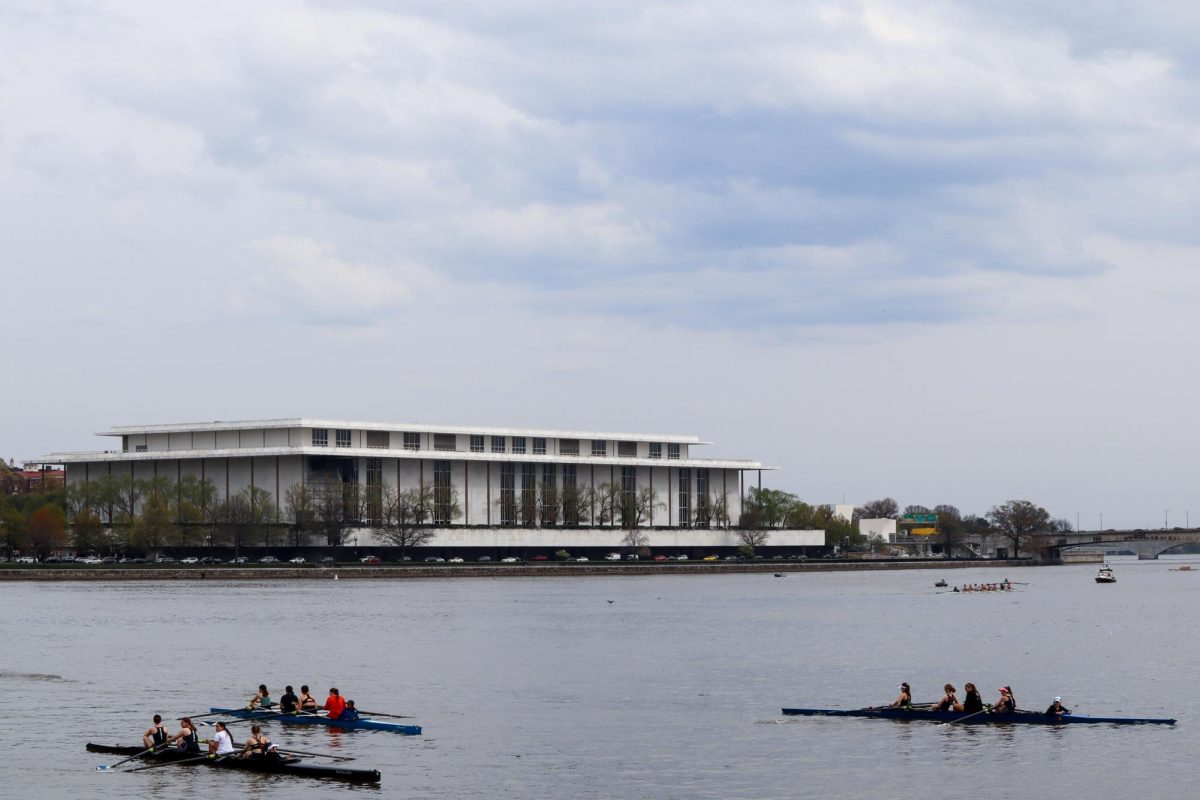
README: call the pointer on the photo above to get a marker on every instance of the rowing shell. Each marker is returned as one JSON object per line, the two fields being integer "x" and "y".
{"x": 267, "y": 765}
{"x": 361, "y": 724}
{"x": 986, "y": 718}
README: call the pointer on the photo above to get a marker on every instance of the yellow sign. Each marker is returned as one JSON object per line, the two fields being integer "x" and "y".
{"x": 923, "y": 531}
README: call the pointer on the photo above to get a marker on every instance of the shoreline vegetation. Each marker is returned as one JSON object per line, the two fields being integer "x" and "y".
{"x": 13, "y": 572}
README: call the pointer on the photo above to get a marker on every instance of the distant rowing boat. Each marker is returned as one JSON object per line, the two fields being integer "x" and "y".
{"x": 362, "y": 723}
{"x": 985, "y": 718}
{"x": 267, "y": 765}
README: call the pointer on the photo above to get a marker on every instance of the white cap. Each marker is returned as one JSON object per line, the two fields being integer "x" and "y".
{"x": 1058, "y": 699}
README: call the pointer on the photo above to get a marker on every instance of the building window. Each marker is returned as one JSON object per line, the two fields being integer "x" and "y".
{"x": 528, "y": 494}
{"x": 320, "y": 437}
{"x": 498, "y": 445}
{"x": 656, "y": 449}
{"x": 673, "y": 452}
{"x": 685, "y": 497}
{"x": 539, "y": 446}
{"x": 570, "y": 495}
{"x": 627, "y": 449}
{"x": 508, "y": 504}
{"x": 550, "y": 500}
{"x": 412, "y": 441}
{"x": 702, "y": 514}
{"x": 374, "y": 504}
{"x": 378, "y": 439}
{"x": 568, "y": 447}
{"x": 441, "y": 493}
{"x": 599, "y": 447}
{"x": 519, "y": 445}
{"x": 139, "y": 448}
{"x": 476, "y": 444}
{"x": 343, "y": 438}
{"x": 445, "y": 441}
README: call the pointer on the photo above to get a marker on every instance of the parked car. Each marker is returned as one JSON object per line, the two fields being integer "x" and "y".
{"x": 730, "y": 558}
{"x": 328, "y": 560}
{"x": 132, "y": 561}
{"x": 433, "y": 560}
{"x": 90, "y": 560}
{"x": 710, "y": 558}
{"x": 631, "y": 557}
{"x": 268, "y": 560}
{"x": 681, "y": 557}
{"x": 582, "y": 558}
{"x": 26, "y": 560}
{"x": 165, "y": 560}
{"x": 211, "y": 560}
{"x": 455, "y": 560}
{"x": 189, "y": 560}
{"x": 509, "y": 560}
{"x": 239, "y": 560}
{"x": 483, "y": 559}
{"x": 371, "y": 560}
{"x": 541, "y": 558}
{"x": 613, "y": 557}
{"x": 660, "y": 558}
{"x": 108, "y": 560}
{"x": 296, "y": 560}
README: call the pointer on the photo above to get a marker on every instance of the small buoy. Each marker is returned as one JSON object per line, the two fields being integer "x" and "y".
{"x": 335, "y": 577}
{"x": 778, "y": 574}
{"x": 611, "y": 601}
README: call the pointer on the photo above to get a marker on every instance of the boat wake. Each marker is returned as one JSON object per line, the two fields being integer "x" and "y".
{"x": 9, "y": 675}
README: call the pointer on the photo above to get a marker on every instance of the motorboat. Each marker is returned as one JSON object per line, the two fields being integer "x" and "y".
{"x": 1106, "y": 575}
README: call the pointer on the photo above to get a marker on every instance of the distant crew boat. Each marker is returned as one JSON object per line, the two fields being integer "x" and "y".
{"x": 1106, "y": 575}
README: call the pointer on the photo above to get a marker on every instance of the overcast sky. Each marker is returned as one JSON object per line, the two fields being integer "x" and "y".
{"x": 945, "y": 252}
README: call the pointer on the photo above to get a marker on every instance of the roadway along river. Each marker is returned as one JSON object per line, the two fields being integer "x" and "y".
{"x": 619, "y": 687}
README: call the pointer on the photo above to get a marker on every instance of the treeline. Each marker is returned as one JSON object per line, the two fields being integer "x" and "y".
{"x": 1015, "y": 521}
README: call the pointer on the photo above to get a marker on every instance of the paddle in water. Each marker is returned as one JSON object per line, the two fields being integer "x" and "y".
{"x": 106, "y": 767}
{"x": 381, "y": 714}
{"x": 175, "y": 763}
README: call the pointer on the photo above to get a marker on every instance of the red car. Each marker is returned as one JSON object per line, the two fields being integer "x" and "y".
{"x": 371, "y": 560}
{"x": 541, "y": 558}
{"x": 660, "y": 558}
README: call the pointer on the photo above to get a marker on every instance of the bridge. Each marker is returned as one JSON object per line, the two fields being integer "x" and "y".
{"x": 1147, "y": 544}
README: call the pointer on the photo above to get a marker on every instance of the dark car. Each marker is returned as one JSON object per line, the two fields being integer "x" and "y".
{"x": 211, "y": 560}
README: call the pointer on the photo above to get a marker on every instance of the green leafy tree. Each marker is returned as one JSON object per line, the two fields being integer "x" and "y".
{"x": 264, "y": 515}
{"x": 87, "y": 532}
{"x": 47, "y": 530}
{"x": 300, "y": 514}
{"x": 12, "y": 530}
{"x": 766, "y": 508}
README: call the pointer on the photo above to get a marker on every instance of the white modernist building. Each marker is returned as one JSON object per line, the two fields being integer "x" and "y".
{"x": 489, "y": 472}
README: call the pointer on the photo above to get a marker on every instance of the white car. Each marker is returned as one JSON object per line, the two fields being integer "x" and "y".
{"x": 681, "y": 558}
{"x": 90, "y": 560}
{"x": 268, "y": 560}
{"x": 26, "y": 560}
{"x": 189, "y": 560}
{"x": 296, "y": 560}
{"x": 508, "y": 560}
{"x": 613, "y": 557}
{"x": 582, "y": 558}
{"x": 455, "y": 560}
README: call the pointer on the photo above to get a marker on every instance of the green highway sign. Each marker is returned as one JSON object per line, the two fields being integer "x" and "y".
{"x": 921, "y": 519}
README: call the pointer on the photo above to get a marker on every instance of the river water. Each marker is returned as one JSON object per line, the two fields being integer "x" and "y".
{"x": 618, "y": 687}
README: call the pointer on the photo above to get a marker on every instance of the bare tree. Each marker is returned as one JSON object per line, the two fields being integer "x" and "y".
{"x": 712, "y": 510}
{"x": 264, "y": 514}
{"x": 404, "y": 516}
{"x": 576, "y": 501}
{"x": 609, "y": 500}
{"x": 753, "y": 537}
{"x": 1016, "y": 520}
{"x": 950, "y": 528}
{"x": 887, "y": 508}
{"x": 299, "y": 513}
{"x": 337, "y": 508}
{"x": 549, "y": 504}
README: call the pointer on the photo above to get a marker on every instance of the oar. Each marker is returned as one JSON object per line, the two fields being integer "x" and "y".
{"x": 381, "y": 714}
{"x": 174, "y": 763}
{"x": 288, "y": 752}
{"x": 104, "y": 767}
{"x": 961, "y": 719}
{"x": 248, "y": 719}
{"x": 198, "y": 716}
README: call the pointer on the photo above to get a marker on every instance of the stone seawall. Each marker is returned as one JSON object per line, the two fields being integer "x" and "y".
{"x": 525, "y": 570}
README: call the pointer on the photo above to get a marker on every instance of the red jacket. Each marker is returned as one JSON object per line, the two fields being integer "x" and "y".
{"x": 335, "y": 705}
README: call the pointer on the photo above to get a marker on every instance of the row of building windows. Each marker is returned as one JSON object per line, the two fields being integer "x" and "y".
{"x": 520, "y": 445}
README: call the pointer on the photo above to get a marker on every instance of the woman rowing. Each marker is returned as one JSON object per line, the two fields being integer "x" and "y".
{"x": 262, "y": 698}
{"x": 1007, "y": 703}
{"x": 257, "y": 744}
{"x": 222, "y": 742}
{"x": 289, "y": 701}
{"x": 904, "y": 700}
{"x": 187, "y": 738}
{"x": 949, "y": 701}
{"x": 972, "y": 702}
{"x": 308, "y": 703}
{"x": 156, "y": 735}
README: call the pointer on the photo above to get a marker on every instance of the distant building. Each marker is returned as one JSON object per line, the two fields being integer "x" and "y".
{"x": 492, "y": 472}
{"x": 33, "y": 479}
{"x": 880, "y": 529}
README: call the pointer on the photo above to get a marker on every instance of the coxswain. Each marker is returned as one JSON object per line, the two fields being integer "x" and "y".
{"x": 349, "y": 713}
{"x": 972, "y": 703}
{"x": 156, "y": 735}
{"x": 262, "y": 698}
{"x": 1057, "y": 709}
{"x": 1006, "y": 704}
{"x": 334, "y": 704}
{"x": 289, "y": 702}
{"x": 904, "y": 699}
{"x": 257, "y": 744}
{"x": 307, "y": 701}
{"x": 188, "y": 741}
{"x": 949, "y": 701}
{"x": 222, "y": 742}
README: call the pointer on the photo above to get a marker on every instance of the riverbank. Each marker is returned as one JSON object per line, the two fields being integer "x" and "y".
{"x": 522, "y": 570}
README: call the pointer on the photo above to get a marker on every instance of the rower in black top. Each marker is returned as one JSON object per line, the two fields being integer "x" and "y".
{"x": 949, "y": 701}
{"x": 156, "y": 735}
{"x": 289, "y": 702}
{"x": 1006, "y": 704}
{"x": 189, "y": 741}
{"x": 904, "y": 700}
{"x": 307, "y": 701}
{"x": 1057, "y": 709}
{"x": 972, "y": 702}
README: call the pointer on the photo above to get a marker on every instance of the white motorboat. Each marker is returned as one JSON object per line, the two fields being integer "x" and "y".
{"x": 1106, "y": 575}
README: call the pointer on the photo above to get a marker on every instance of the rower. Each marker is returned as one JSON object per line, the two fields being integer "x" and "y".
{"x": 156, "y": 735}
{"x": 972, "y": 702}
{"x": 349, "y": 713}
{"x": 289, "y": 702}
{"x": 261, "y": 699}
{"x": 307, "y": 701}
{"x": 1057, "y": 709}
{"x": 188, "y": 741}
{"x": 257, "y": 744}
{"x": 222, "y": 742}
{"x": 1006, "y": 704}
{"x": 334, "y": 704}
{"x": 949, "y": 701}
{"x": 904, "y": 700}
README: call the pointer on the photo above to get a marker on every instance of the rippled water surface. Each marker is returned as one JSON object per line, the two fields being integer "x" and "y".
{"x": 618, "y": 687}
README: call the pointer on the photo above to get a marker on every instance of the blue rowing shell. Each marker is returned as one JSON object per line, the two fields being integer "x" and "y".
{"x": 360, "y": 724}
{"x": 985, "y": 718}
